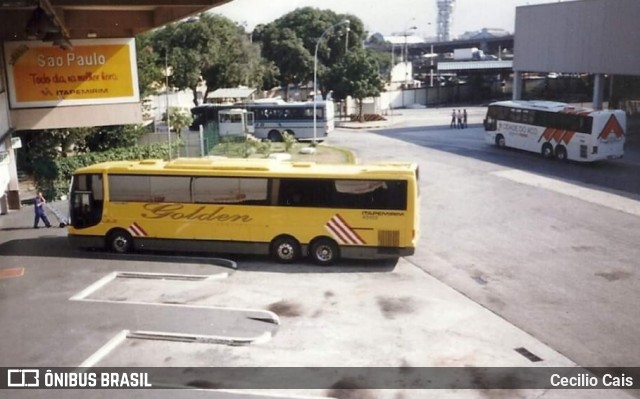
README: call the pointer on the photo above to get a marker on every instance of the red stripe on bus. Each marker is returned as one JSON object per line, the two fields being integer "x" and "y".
{"x": 338, "y": 234}
{"x": 353, "y": 232}
{"x": 611, "y": 127}
{"x": 344, "y": 230}
{"x": 558, "y": 135}
{"x": 567, "y": 137}
{"x": 548, "y": 132}
{"x": 144, "y": 233}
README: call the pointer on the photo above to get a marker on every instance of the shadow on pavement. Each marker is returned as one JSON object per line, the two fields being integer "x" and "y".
{"x": 612, "y": 175}
{"x": 58, "y": 247}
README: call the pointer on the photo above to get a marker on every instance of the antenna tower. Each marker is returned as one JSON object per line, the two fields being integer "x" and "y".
{"x": 445, "y": 18}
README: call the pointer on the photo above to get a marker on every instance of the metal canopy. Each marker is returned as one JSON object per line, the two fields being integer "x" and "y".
{"x": 81, "y": 19}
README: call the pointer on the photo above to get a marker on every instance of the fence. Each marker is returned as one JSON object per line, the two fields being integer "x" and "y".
{"x": 193, "y": 145}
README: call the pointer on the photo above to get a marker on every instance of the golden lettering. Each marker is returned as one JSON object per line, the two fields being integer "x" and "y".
{"x": 178, "y": 212}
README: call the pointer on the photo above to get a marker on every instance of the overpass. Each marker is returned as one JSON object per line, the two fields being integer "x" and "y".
{"x": 490, "y": 45}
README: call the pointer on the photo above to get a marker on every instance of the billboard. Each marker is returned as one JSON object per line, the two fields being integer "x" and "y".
{"x": 101, "y": 71}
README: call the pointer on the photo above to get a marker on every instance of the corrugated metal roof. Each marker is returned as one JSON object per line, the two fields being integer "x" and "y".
{"x": 468, "y": 65}
{"x": 238, "y": 92}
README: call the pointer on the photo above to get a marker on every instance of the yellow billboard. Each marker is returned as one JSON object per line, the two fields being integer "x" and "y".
{"x": 101, "y": 71}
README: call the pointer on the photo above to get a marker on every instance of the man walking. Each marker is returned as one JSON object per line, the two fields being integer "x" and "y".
{"x": 39, "y": 209}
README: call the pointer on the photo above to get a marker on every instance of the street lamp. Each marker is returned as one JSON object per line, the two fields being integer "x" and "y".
{"x": 166, "y": 84}
{"x": 315, "y": 74}
{"x": 406, "y": 54}
{"x": 346, "y": 42}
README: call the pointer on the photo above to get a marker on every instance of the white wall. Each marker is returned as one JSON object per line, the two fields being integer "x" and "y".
{"x": 594, "y": 36}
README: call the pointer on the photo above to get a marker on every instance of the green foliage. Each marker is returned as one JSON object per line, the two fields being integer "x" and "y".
{"x": 103, "y": 138}
{"x": 53, "y": 176}
{"x": 149, "y": 71}
{"x": 179, "y": 118}
{"x": 241, "y": 147}
{"x": 289, "y": 140}
{"x": 383, "y": 59}
{"x": 211, "y": 48}
{"x": 290, "y": 41}
{"x": 356, "y": 75}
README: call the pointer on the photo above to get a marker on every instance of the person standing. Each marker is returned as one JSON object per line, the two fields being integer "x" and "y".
{"x": 39, "y": 210}
{"x": 464, "y": 118}
{"x": 453, "y": 119}
{"x": 459, "y": 119}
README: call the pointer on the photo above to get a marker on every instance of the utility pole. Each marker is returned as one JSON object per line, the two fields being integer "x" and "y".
{"x": 166, "y": 84}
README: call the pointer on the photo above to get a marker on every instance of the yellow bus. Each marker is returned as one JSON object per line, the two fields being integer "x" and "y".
{"x": 284, "y": 209}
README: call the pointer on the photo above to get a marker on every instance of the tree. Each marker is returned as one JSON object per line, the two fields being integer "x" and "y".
{"x": 211, "y": 48}
{"x": 179, "y": 119}
{"x": 286, "y": 50}
{"x": 357, "y": 75}
{"x": 290, "y": 42}
{"x": 103, "y": 138}
{"x": 149, "y": 72}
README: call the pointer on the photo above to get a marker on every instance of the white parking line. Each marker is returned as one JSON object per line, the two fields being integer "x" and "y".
{"x": 595, "y": 195}
{"x": 94, "y": 287}
{"x": 113, "y": 343}
{"x": 105, "y": 349}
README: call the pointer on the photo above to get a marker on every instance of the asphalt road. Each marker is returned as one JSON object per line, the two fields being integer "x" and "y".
{"x": 551, "y": 247}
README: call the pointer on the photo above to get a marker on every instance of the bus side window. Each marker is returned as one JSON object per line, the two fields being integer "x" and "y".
{"x": 308, "y": 113}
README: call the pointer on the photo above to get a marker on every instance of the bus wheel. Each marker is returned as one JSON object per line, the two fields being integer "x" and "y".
{"x": 547, "y": 151}
{"x": 285, "y": 249}
{"x": 500, "y": 143}
{"x": 561, "y": 153}
{"x": 274, "y": 136}
{"x": 119, "y": 241}
{"x": 324, "y": 251}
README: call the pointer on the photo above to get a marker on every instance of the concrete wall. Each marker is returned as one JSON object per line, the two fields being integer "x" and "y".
{"x": 427, "y": 96}
{"x": 589, "y": 36}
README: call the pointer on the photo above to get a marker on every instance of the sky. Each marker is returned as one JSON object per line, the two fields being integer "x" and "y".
{"x": 379, "y": 16}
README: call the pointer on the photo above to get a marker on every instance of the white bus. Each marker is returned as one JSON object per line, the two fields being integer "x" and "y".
{"x": 235, "y": 122}
{"x": 272, "y": 119}
{"x": 556, "y": 130}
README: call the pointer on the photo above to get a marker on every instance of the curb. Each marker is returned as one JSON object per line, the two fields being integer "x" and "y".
{"x": 359, "y": 126}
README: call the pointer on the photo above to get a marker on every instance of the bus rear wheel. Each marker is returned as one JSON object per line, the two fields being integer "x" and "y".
{"x": 274, "y": 136}
{"x": 547, "y": 151}
{"x": 324, "y": 251}
{"x": 285, "y": 249}
{"x": 500, "y": 143}
{"x": 120, "y": 241}
{"x": 561, "y": 153}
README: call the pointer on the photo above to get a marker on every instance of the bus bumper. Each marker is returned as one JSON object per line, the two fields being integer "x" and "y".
{"x": 374, "y": 252}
